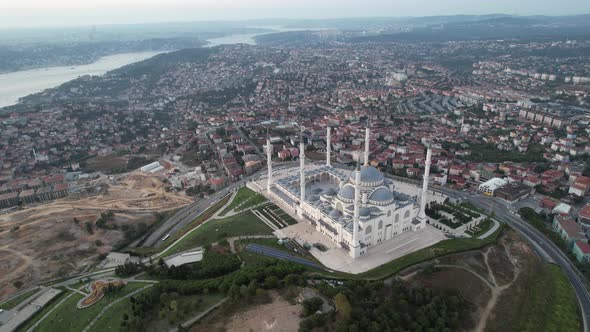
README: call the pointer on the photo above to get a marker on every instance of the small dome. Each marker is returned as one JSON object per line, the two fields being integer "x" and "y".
{"x": 381, "y": 195}
{"x": 317, "y": 191}
{"x": 364, "y": 212}
{"x": 347, "y": 192}
{"x": 330, "y": 192}
{"x": 314, "y": 198}
{"x": 335, "y": 214}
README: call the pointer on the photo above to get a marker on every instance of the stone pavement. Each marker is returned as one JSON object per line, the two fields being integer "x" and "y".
{"x": 338, "y": 259}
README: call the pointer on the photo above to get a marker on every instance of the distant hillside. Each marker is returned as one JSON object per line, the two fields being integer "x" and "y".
{"x": 14, "y": 58}
{"x": 504, "y": 27}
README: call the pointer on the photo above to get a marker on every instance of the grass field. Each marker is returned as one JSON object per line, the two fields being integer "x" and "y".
{"x": 542, "y": 300}
{"x": 245, "y": 198}
{"x": 7, "y": 305}
{"x": 198, "y": 220}
{"x": 189, "y": 306}
{"x": 215, "y": 230}
{"x": 483, "y": 227}
{"x": 67, "y": 317}
{"x": 43, "y": 311}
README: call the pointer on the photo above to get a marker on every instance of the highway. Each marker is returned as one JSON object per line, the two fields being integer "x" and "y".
{"x": 543, "y": 246}
{"x": 188, "y": 213}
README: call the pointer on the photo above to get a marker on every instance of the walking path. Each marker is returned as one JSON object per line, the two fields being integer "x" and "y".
{"x": 496, "y": 290}
{"x": 491, "y": 230}
{"x": 106, "y": 308}
{"x": 237, "y": 211}
{"x": 195, "y": 319}
{"x": 265, "y": 220}
{"x": 77, "y": 291}
{"x": 49, "y": 312}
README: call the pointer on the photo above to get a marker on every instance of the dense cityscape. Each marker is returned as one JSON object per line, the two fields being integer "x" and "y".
{"x": 151, "y": 185}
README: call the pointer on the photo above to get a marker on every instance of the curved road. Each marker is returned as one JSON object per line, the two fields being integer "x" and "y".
{"x": 544, "y": 247}
{"x": 187, "y": 214}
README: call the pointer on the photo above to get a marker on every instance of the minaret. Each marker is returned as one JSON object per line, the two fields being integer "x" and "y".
{"x": 367, "y": 139}
{"x": 301, "y": 172}
{"x": 268, "y": 161}
{"x": 355, "y": 248}
{"x": 328, "y": 144}
{"x": 422, "y": 213}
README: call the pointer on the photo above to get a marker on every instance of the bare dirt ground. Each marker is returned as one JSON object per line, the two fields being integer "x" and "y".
{"x": 277, "y": 316}
{"x": 43, "y": 242}
{"x": 481, "y": 277}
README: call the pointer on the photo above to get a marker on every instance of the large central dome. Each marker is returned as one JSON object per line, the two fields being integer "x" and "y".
{"x": 370, "y": 176}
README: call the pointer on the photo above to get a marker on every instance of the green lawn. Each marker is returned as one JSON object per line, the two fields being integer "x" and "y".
{"x": 67, "y": 317}
{"x": 43, "y": 311}
{"x": 7, "y": 305}
{"x": 144, "y": 252}
{"x": 282, "y": 215}
{"x": 189, "y": 306}
{"x": 542, "y": 300}
{"x": 483, "y": 227}
{"x": 241, "y": 224}
{"x": 245, "y": 198}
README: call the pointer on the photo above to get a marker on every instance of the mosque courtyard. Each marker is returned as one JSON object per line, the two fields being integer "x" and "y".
{"x": 337, "y": 259}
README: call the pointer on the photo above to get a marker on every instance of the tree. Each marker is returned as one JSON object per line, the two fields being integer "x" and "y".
{"x": 343, "y": 306}
{"x": 271, "y": 282}
{"x": 89, "y": 227}
{"x": 311, "y": 306}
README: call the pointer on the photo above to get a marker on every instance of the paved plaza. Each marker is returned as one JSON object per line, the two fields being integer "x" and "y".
{"x": 338, "y": 259}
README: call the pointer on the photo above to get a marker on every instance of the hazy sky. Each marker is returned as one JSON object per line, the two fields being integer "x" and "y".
{"x": 21, "y": 13}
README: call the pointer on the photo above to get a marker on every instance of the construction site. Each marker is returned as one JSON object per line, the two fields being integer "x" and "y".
{"x": 60, "y": 238}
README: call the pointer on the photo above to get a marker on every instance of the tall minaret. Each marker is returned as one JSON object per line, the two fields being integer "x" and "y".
{"x": 268, "y": 160}
{"x": 301, "y": 171}
{"x": 367, "y": 139}
{"x": 357, "y": 201}
{"x": 328, "y": 144}
{"x": 422, "y": 213}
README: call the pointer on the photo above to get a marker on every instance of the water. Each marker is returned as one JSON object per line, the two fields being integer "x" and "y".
{"x": 22, "y": 83}
{"x": 248, "y": 38}
{"x": 241, "y": 38}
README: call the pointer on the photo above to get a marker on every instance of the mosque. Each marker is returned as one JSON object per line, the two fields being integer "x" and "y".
{"x": 355, "y": 210}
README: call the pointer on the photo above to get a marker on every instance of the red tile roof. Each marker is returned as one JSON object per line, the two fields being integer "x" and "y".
{"x": 584, "y": 247}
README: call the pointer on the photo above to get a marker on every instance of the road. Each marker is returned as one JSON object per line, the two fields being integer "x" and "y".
{"x": 543, "y": 246}
{"x": 190, "y": 212}
{"x": 258, "y": 151}
{"x": 187, "y": 214}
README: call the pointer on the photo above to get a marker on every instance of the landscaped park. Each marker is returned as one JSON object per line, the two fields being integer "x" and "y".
{"x": 490, "y": 275}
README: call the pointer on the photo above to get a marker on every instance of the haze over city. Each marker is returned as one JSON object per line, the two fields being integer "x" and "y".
{"x": 36, "y": 13}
